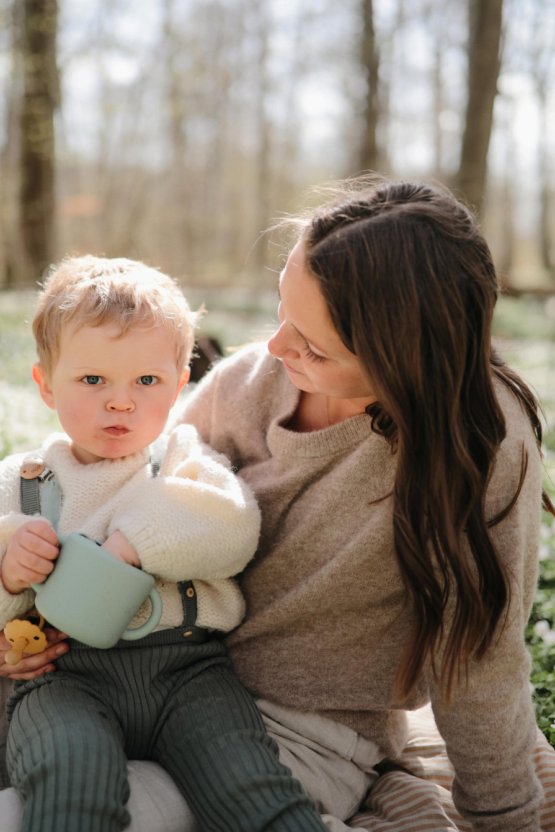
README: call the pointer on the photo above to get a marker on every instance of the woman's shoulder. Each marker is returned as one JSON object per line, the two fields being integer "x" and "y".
{"x": 518, "y": 453}
{"x": 238, "y": 394}
{"x": 249, "y": 373}
{"x": 518, "y": 425}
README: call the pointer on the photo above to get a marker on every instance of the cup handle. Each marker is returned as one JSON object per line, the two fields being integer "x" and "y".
{"x": 143, "y": 630}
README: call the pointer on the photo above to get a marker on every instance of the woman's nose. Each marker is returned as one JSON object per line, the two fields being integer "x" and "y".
{"x": 281, "y": 342}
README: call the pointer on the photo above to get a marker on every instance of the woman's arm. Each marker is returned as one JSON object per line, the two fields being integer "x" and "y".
{"x": 489, "y": 725}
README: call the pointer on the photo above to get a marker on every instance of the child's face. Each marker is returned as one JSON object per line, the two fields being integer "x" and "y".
{"x": 112, "y": 393}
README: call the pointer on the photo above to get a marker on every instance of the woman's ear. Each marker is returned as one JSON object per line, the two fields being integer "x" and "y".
{"x": 40, "y": 378}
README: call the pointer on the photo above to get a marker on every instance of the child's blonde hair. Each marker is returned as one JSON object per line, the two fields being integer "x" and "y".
{"x": 91, "y": 291}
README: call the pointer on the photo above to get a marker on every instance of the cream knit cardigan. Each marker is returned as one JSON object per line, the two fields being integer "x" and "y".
{"x": 327, "y": 619}
{"x": 195, "y": 521}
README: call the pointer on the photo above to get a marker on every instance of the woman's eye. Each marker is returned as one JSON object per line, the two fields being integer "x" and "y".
{"x": 92, "y": 379}
{"x": 313, "y": 356}
{"x": 147, "y": 381}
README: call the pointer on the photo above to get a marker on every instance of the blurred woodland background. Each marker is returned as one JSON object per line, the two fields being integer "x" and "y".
{"x": 176, "y": 131}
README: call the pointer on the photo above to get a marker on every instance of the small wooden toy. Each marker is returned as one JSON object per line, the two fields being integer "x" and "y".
{"x": 25, "y": 637}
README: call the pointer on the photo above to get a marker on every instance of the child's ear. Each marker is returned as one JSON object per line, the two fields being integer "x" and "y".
{"x": 185, "y": 376}
{"x": 40, "y": 378}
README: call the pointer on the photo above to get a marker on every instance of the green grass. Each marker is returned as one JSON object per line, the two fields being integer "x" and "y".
{"x": 541, "y": 639}
{"x": 525, "y": 330}
{"x": 17, "y": 351}
{"x": 525, "y": 336}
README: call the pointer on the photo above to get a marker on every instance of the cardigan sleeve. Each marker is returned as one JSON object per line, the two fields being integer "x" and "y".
{"x": 11, "y": 606}
{"x": 195, "y": 520}
{"x": 489, "y": 725}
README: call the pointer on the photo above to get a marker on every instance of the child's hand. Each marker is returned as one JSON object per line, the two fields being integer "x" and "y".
{"x": 30, "y": 555}
{"x": 119, "y": 546}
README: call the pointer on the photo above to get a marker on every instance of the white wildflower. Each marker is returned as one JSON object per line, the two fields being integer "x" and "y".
{"x": 544, "y": 551}
{"x": 544, "y": 631}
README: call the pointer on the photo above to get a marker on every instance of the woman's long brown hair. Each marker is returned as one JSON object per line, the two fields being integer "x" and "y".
{"x": 411, "y": 288}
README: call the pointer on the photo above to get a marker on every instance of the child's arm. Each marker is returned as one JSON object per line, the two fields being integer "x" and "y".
{"x": 196, "y": 519}
{"x": 18, "y": 601}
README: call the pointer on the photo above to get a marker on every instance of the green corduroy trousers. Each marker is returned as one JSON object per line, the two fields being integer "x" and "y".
{"x": 179, "y": 704}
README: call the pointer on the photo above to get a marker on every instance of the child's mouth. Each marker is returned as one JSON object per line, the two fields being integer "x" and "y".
{"x": 117, "y": 430}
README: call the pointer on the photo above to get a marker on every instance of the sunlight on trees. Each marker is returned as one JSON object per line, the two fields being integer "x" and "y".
{"x": 184, "y": 129}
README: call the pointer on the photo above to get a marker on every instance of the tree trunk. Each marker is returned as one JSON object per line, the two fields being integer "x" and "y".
{"x": 263, "y": 181}
{"x": 505, "y": 259}
{"x": 9, "y": 154}
{"x": 546, "y": 197}
{"x": 483, "y": 70}
{"x": 369, "y": 152}
{"x": 39, "y": 103}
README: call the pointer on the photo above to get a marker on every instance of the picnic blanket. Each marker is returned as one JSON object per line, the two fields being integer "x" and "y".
{"x": 411, "y": 795}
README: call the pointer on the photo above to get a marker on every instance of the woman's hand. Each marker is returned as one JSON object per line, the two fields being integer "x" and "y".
{"x": 31, "y": 666}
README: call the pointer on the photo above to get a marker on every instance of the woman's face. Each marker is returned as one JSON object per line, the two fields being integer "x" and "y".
{"x": 307, "y": 342}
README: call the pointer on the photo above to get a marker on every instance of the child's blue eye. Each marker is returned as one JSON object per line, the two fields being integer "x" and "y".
{"x": 92, "y": 379}
{"x": 148, "y": 381}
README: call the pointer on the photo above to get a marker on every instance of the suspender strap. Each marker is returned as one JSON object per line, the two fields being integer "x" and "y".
{"x": 41, "y": 495}
{"x": 189, "y": 601}
{"x": 29, "y": 492}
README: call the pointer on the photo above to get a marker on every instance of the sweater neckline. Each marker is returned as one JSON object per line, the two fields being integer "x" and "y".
{"x": 326, "y": 441}
{"x": 323, "y": 442}
{"x": 57, "y": 447}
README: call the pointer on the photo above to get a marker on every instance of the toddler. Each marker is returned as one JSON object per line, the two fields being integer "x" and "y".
{"x": 114, "y": 338}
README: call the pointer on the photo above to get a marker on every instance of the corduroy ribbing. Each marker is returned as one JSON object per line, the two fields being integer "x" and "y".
{"x": 180, "y": 705}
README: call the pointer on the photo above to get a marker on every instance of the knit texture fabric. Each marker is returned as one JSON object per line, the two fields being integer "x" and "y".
{"x": 195, "y": 521}
{"x": 327, "y": 615}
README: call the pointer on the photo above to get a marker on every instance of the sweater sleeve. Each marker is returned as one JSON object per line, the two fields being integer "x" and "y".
{"x": 195, "y": 520}
{"x": 11, "y": 606}
{"x": 489, "y": 724}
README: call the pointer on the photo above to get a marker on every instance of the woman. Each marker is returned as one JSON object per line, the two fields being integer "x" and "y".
{"x": 396, "y": 462}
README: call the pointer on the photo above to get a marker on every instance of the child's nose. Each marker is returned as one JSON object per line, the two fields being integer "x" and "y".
{"x": 120, "y": 405}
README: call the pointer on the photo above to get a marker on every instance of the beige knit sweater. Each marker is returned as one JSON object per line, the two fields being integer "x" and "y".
{"x": 195, "y": 521}
{"x": 326, "y": 621}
